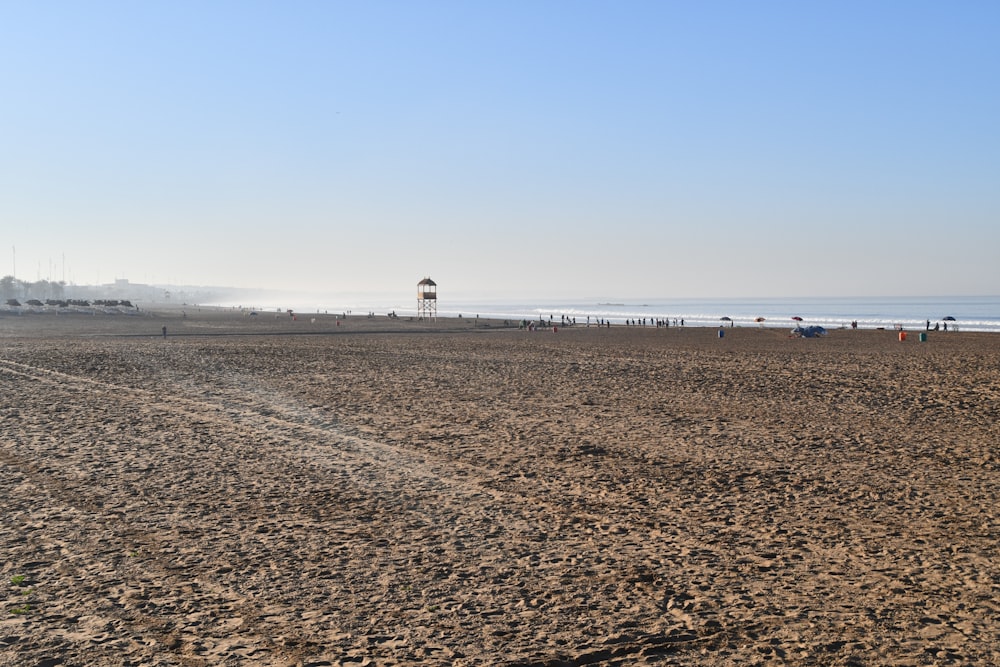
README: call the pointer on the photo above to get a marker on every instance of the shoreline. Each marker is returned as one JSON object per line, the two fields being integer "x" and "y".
{"x": 974, "y": 313}
{"x": 195, "y": 320}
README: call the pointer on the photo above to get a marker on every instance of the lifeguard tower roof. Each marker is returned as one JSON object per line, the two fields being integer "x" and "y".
{"x": 427, "y": 281}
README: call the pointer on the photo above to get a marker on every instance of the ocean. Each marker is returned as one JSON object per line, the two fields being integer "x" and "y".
{"x": 970, "y": 313}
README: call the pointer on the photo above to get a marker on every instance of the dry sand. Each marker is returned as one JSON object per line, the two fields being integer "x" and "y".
{"x": 264, "y": 491}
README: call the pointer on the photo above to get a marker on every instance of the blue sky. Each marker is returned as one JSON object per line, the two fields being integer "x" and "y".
{"x": 521, "y": 149}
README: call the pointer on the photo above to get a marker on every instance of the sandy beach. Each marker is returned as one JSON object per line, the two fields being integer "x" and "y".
{"x": 263, "y": 490}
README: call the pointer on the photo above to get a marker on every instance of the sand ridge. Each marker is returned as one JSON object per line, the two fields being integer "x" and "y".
{"x": 373, "y": 494}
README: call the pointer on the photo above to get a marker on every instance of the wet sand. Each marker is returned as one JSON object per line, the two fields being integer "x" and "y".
{"x": 268, "y": 491}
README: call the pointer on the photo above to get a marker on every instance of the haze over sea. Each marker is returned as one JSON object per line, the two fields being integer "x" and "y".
{"x": 971, "y": 313}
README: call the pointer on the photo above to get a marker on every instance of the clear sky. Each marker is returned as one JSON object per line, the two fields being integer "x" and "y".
{"x": 519, "y": 147}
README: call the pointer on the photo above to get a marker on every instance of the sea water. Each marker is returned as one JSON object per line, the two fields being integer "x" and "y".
{"x": 970, "y": 313}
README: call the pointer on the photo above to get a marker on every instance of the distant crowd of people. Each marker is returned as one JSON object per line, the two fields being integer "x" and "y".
{"x": 568, "y": 321}
{"x": 658, "y": 322}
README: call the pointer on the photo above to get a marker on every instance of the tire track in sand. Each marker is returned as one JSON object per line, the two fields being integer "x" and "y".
{"x": 404, "y": 478}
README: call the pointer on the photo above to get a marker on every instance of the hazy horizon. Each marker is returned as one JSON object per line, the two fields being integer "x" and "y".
{"x": 250, "y": 295}
{"x": 555, "y": 150}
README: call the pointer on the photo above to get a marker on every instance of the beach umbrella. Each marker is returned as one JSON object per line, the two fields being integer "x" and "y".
{"x": 948, "y": 319}
{"x": 797, "y": 318}
{"x": 759, "y": 319}
{"x": 726, "y": 319}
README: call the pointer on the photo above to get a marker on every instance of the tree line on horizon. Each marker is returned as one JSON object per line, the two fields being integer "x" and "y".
{"x": 13, "y": 288}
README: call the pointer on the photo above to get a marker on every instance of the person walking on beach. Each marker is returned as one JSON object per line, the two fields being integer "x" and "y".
{"x": 164, "y": 332}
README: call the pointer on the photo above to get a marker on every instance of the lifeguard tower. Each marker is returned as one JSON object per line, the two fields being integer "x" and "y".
{"x": 427, "y": 299}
